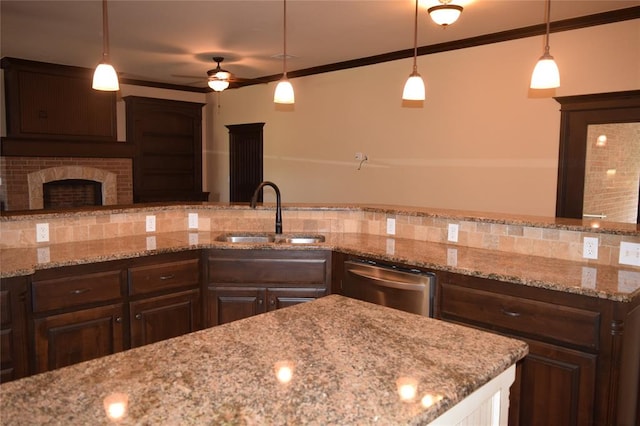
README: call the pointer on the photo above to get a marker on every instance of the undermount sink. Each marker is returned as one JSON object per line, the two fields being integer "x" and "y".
{"x": 247, "y": 238}
{"x": 303, "y": 239}
{"x": 271, "y": 238}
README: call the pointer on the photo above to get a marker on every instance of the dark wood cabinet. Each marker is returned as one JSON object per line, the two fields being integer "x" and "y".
{"x": 167, "y": 136}
{"x": 583, "y": 365}
{"x": 50, "y": 101}
{"x": 88, "y": 311}
{"x": 72, "y": 337}
{"x": 163, "y": 317}
{"x": 14, "y": 361}
{"x": 243, "y": 283}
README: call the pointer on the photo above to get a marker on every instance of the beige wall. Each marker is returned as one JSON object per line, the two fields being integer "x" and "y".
{"x": 482, "y": 141}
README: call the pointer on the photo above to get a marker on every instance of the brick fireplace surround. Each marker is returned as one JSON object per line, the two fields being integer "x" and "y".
{"x": 23, "y": 177}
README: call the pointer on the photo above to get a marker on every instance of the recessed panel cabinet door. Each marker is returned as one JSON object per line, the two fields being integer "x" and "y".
{"x": 163, "y": 317}
{"x": 65, "y": 339}
{"x": 283, "y": 297}
{"x": 228, "y": 304}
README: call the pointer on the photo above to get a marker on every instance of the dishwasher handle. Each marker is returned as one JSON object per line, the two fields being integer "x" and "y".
{"x": 389, "y": 282}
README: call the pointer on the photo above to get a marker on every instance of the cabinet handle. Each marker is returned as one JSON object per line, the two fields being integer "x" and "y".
{"x": 272, "y": 301}
{"x": 138, "y": 316}
{"x": 79, "y": 291}
{"x": 259, "y": 301}
{"x": 167, "y": 277}
{"x": 510, "y": 313}
{"x": 118, "y": 319}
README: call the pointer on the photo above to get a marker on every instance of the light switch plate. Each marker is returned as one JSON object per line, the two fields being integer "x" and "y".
{"x": 452, "y": 234}
{"x": 391, "y": 226}
{"x": 629, "y": 254}
{"x": 193, "y": 220}
{"x": 151, "y": 223}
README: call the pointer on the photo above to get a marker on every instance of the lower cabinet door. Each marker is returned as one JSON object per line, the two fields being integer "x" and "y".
{"x": 283, "y": 297}
{"x": 163, "y": 317}
{"x": 556, "y": 387}
{"x": 226, "y": 304}
{"x": 65, "y": 339}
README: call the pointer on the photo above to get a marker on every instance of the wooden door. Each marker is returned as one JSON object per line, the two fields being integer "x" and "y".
{"x": 245, "y": 161}
{"x": 556, "y": 387}
{"x": 73, "y": 337}
{"x": 282, "y": 297}
{"x": 163, "y": 317}
{"x": 226, "y": 304}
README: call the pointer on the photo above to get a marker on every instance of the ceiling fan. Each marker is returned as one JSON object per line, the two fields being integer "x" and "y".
{"x": 218, "y": 78}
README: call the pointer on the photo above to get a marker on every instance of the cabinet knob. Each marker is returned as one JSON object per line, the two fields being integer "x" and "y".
{"x": 259, "y": 301}
{"x": 272, "y": 301}
{"x": 118, "y": 319}
{"x": 138, "y": 316}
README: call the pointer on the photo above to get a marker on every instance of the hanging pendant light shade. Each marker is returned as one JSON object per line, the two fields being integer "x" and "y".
{"x": 105, "y": 77}
{"x": 284, "y": 90}
{"x": 546, "y": 74}
{"x": 445, "y": 14}
{"x": 414, "y": 87}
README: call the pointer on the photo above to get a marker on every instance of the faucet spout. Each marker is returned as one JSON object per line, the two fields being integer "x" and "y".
{"x": 254, "y": 201}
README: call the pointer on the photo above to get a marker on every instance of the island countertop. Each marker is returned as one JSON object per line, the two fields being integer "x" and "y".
{"x": 346, "y": 357}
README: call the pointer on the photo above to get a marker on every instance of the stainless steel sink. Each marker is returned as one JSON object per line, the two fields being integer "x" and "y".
{"x": 271, "y": 238}
{"x": 303, "y": 239}
{"x": 247, "y": 238}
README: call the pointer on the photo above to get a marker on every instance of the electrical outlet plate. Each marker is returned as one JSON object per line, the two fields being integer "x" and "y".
{"x": 151, "y": 223}
{"x": 590, "y": 248}
{"x": 42, "y": 232}
{"x": 193, "y": 220}
{"x": 452, "y": 234}
{"x": 629, "y": 254}
{"x": 589, "y": 277}
{"x": 391, "y": 226}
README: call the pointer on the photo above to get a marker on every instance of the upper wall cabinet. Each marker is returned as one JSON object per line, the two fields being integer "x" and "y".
{"x": 50, "y": 101}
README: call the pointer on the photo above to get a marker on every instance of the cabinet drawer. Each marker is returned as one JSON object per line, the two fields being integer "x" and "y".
{"x": 526, "y": 317}
{"x": 164, "y": 276}
{"x": 78, "y": 290}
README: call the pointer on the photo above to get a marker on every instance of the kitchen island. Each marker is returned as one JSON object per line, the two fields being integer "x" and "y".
{"x": 331, "y": 361}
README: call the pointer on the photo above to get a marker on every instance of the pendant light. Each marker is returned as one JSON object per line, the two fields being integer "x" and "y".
{"x": 414, "y": 87}
{"x": 284, "y": 90}
{"x": 105, "y": 77}
{"x": 546, "y": 74}
{"x": 445, "y": 13}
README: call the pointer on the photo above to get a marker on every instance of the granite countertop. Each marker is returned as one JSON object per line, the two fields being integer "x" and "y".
{"x": 346, "y": 357}
{"x": 614, "y": 283}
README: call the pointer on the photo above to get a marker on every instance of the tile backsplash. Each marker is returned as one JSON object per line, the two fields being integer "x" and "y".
{"x": 519, "y": 238}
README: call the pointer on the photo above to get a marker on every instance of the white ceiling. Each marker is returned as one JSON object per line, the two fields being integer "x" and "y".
{"x": 163, "y": 41}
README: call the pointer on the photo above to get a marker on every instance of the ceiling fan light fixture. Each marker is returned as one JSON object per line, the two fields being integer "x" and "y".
{"x": 546, "y": 74}
{"x": 445, "y": 14}
{"x": 105, "y": 77}
{"x": 284, "y": 90}
{"x": 218, "y": 85}
{"x": 414, "y": 87}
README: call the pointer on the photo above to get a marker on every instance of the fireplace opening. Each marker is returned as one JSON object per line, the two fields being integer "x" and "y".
{"x": 70, "y": 193}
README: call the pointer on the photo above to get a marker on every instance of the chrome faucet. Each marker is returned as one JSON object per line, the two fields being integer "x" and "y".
{"x": 254, "y": 200}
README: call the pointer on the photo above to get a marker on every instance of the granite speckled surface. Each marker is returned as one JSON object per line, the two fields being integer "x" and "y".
{"x": 346, "y": 358}
{"x": 612, "y": 283}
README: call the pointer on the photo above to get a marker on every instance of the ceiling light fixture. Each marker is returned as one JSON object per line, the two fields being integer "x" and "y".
{"x": 414, "y": 87}
{"x": 445, "y": 13}
{"x": 218, "y": 78}
{"x": 105, "y": 77}
{"x": 284, "y": 90}
{"x": 546, "y": 74}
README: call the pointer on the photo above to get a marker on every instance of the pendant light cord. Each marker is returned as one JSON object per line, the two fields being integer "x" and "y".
{"x": 105, "y": 32}
{"x": 415, "y": 41}
{"x": 548, "y": 15}
{"x": 284, "y": 56}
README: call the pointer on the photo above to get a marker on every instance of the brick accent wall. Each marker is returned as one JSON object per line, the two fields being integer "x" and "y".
{"x": 14, "y": 191}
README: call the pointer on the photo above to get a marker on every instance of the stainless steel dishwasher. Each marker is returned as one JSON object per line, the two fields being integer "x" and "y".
{"x": 409, "y": 290}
